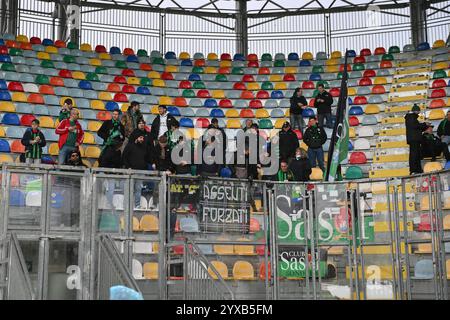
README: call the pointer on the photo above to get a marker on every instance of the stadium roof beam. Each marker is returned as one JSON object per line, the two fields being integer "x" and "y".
{"x": 9, "y": 16}
{"x": 418, "y": 12}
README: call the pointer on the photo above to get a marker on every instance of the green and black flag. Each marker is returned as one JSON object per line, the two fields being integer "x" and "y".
{"x": 339, "y": 140}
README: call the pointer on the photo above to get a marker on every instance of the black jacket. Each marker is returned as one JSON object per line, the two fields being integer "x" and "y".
{"x": 106, "y": 127}
{"x": 315, "y": 137}
{"x": 136, "y": 156}
{"x": 444, "y": 128}
{"x": 148, "y": 141}
{"x": 431, "y": 145}
{"x": 301, "y": 169}
{"x": 163, "y": 163}
{"x": 413, "y": 128}
{"x": 111, "y": 157}
{"x": 323, "y": 107}
{"x": 288, "y": 144}
{"x": 79, "y": 163}
{"x": 27, "y": 137}
{"x": 156, "y": 123}
{"x": 295, "y": 108}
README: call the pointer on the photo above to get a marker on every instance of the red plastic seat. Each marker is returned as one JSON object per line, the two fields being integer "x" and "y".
{"x": 202, "y": 123}
{"x": 225, "y": 103}
{"x": 203, "y": 93}
{"x": 341, "y": 68}
{"x": 264, "y": 71}
{"x": 289, "y": 77}
{"x": 224, "y": 70}
{"x": 199, "y": 63}
{"x": 335, "y": 92}
{"x": 365, "y": 52}
{"x": 252, "y": 57}
{"x": 359, "y": 59}
{"x": 56, "y": 82}
{"x": 365, "y": 82}
{"x": 12, "y": 44}
{"x": 438, "y": 93}
{"x": 311, "y": 102}
{"x": 64, "y": 73}
{"x": 262, "y": 269}
{"x": 299, "y": 134}
{"x": 35, "y": 98}
{"x": 100, "y": 49}
{"x": 60, "y": 44}
{"x": 253, "y": 64}
{"x": 35, "y": 40}
{"x": 247, "y": 95}
{"x": 225, "y": 56}
{"x": 26, "y": 46}
{"x": 380, "y": 50}
{"x": 185, "y": 84}
{"x": 358, "y": 158}
{"x": 308, "y": 85}
{"x": 104, "y": 115}
{"x": 353, "y": 121}
{"x": 120, "y": 97}
{"x": 4, "y": 50}
{"x": 128, "y": 89}
{"x": 262, "y": 94}
{"x": 385, "y": 64}
{"x": 255, "y": 104}
{"x": 26, "y": 120}
{"x": 128, "y": 52}
{"x": 114, "y": 87}
{"x": 239, "y": 86}
{"x": 46, "y": 89}
{"x": 248, "y": 78}
{"x": 17, "y": 147}
{"x": 246, "y": 113}
{"x": 369, "y": 73}
{"x": 120, "y": 79}
{"x": 438, "y": 83}
{"x": 167, "y": 76}
{"x": 437, "y": 103}
{"x": 360, "y": 100}
{"x": 378, "y": 89}
{"x": 145, "y": 67}
{"x": 254, "y": 225}
{"x": 15, "y": 86}
{"x": 260, "y": 250}
{"x": 128, "y": 73}
{"x": 179, "y": 102}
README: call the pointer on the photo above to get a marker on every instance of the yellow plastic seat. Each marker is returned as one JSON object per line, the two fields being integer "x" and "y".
{"x": 223, "y": 249}
{"x": 95, "y": 165}
{"x": 439, "y": 44}
{"x": 439, "y": 66}
{"x": 133, "y": 81}
{"x": 85, "y": 47}
{"x": 95, "y": 62}
{"x": 211, "y": 56}
{"x": 331, "y": 69}
{"x": 352, "y": 132}
{"x": 51, "y": 49}
{"x": 79, "y": 75}
{"x": 154, "y": 110}
{"x": 92, "y": 152}
{"x": 22, "y": 38}
{"x": 94, "y": 125}
{"x": 43, "y": 55}
{"x": 53, "y": 149}
{"x": 151, "y": 270}
{"x": 165, "y": 100}
{"x": 243, "y": 270}
{"x": 220, "y": 267}
{"x": 336, "y": 55}
{"x": 244, "y": 250}
{"x": 279, "y": 123}
{"x": 291, "y": 70}
{"x": 6, "y": 106}
{"x": 253, "y": 86}
{"x": 232, "y": 113}
{"x": 97, "y": 105}
{"x": 233, "y": 124}
{"x": 46, "y": 122}
{"x": 372, "y": 109}
{"x": 316, "y": 174}
{"x": 225, "y": 64}
{"x": 351, "y": 91}
{"x": 425, "y": 203}
{"x": 159, "y": 83}
{"x": 424, "y": 248}
{"x": 280, "y": 86}
{"x": 211, "y": 70}
{"x": 5, "y": 158}
{"x": 104, "y": 56}
{"x": 218, "y": 94}
{"x": 81, "y": 149}
{"x": 149, "y": 223}
{"x": 153, "y": 75}
{"x": 184, "y": 56}
{"x": 193, "y": 133}
{"x": 262, "y": 113}
{"x": 136, "y": 226}
{"x": 332, "y": 62}
{"x": 447, "y": 267}
{"x": 88, "y": 138}
{"x": 307, "y": 56}
{"x": 171, "y": 69}
{"x": 432, "y": 166}
{"x": 2, "y": 132}
{"x": 86, "y": 163}
{"x": 275, "y": 78}
{"x": 436, "y": 114}
{"x": 288, "y": 113}
{"x": 105, "y": 96}
{"x": 380, "y": 80}
{"x": 19, "y": 97}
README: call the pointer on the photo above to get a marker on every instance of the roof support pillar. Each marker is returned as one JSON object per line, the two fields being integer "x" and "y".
{"x": 418, "y": 13}
{"x": 241, "y": 27}
{"x": 9, "y": 16}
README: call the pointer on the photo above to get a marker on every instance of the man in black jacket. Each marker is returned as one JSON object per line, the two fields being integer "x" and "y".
{"x": 300, "y": 165}
{"x": 113, "y": 134}
{"x": 414, "y": 138}
{"x": 222, "y": 138}
{"x": 33, "y": 140}
{"x": 443, "y": 131}
{"x": 298, "y": 104}
{"x": 161, "y": 123}
{"x": 432, "y": 146}
{"x": 323, "y": 103}
{"x": 314, "y": 137}
{"x": 288, "y": 142}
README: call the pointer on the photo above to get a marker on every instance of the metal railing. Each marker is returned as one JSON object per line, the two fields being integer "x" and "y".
{"x": 112, "y": 270}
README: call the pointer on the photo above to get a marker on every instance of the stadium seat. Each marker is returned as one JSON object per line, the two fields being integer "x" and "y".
{"x": 423, "y": 270}
{"x": 316, "y": 174}
{"x": 432, "y": 167}
{"x": 221, "y": 269}
{"x": 354, "y": 172}
{"x": 149, "y": 223}
{"x": 150, "y": 270}
{"x": 243, "y": 270}
{"x": 10, "y": 119}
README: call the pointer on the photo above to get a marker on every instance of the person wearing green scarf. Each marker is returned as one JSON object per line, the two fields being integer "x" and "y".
{"x": 113, "y": 134}
{"x": 284, "y": 174}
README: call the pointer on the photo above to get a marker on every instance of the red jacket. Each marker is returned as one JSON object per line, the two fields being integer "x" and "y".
{"x": 63, "y": 131}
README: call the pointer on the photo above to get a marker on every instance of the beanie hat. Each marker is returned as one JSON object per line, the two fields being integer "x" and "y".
{"x": 415, "y": 108}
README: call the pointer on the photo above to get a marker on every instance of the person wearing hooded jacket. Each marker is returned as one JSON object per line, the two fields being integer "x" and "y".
{"x": 113, "y": 134}
{"x": 288, "y": 141}
{"x": 314, "y": 137}
{"x": 298, "y": 104}
{"x": 300, "y": 165}
{"x": 414, "y": 130}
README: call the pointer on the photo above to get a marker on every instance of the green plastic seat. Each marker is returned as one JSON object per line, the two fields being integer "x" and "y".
{"x": 387, "y": 57}
{"x": 339, "y": 75}
{"x": 47, "y": 64}
{"x": 8, "y": 67}
{"x": 325, "y": 84}
{"x": 265, "y": 124}
{"x": 358, "y": 67}
{"x": 69, "y": 59}
{"x": 188, "y": 93}
{"x": 157, "y": 60}
{"x": 142, "y": 53}
{"x": 109, "y": 222}
{"x": 15, "y": 52}
{"x": 197, "y": 70}
{"x": 354, "y": 172}
{"x": 42, "y": 79}
{"x": 221, "y": 78}
{"x": 394, "y": 49}
{"x": 317, "y": 69}
{"x": 266, "y": 57}
{"x": 101, "y": 70}
{"x": 91, "y": 76}
{"x": 438, "y": 74}
{"x": 121, "y": 64}
{"x": 315, "y": 93}
{"x": 279, "y": 63}
{"x": 237, "y": 70}
{"x": 198, "y": 85}
{"x": 145, "y": 82}
{"x": 267, "y": 85}
{"x": 72, "y": 45}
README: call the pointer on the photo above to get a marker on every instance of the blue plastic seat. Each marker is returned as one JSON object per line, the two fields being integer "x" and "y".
{"x": 356, "y": 111}
{"x": 5, "y": 59}
{"x": 424, "y": 270}
{"x": 3, "y": 85}
{"x": 239, "y": 57}
{"x": 132, "y": 58}
{"x": 369, "y": 120}
{"x": 111, "y": 105}
{"x": 85, "y": 85}
{"x": 423, "y": 46}
{"x": 217, "y": 113}
{"x": 308, "y": 113}
{"x": 194, "y": 77}
{"x": 350, "y": 146}
{"x": 210, "y": 103}
{"x": 47, "y": 42}
{"x": 115, "y": 50}
{"x": 5, "y": 96}
{"x": 277, "y": 94}
{"x": 170, "y": 55}
{"x": 4, "y": 146}
{"x": 304, "y": 63}
{"x": 143, "y": 90}
{"x": 225, "y": 172}
{"x": 186, "y": 123}
{"x": 351, "y": 53}
{"x": 315, "y": 77}
{"x": 16, "y": 198}
{"x": 11, "y": 119}
{"x": 293, "y": 56}
{"x": 189, "y": 224}
{"x": 173, "y": 111}
{"x": 186, "y": 63}
{"x": 447, "y": 165}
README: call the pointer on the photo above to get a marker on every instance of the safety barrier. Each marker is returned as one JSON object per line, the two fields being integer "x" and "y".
{"x": 192, "y": 237}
